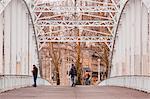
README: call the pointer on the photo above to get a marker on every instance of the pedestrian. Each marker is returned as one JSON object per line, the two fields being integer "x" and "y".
{"x": 35, "y": 73}
{"x": 87, "y": 79}
{"x": 73, "y": 74}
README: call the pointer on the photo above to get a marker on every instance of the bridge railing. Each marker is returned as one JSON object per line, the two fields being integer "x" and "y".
{"x": 137, "y": 82}
{"x": 9, "y": 82}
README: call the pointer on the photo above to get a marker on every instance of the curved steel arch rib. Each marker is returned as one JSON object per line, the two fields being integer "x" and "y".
{"x": 5, "y": 3}
{"x": 122, "y": 6}
{"x": 134, "y": 35}
{"x": 17, "y": 27}
{"x": 129, "y": 60}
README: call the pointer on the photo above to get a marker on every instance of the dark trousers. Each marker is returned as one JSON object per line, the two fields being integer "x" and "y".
{"x": 73, "y": 79}
{"x": 35, "y": 78}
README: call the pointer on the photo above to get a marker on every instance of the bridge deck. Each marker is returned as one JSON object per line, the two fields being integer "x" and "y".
{"x": 79, "y": 92}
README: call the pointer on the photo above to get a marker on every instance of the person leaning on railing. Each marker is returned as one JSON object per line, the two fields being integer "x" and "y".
{"x": 35, "y": 73}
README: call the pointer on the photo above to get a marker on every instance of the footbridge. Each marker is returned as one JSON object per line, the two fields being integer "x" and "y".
{"x": 30, "y": 30}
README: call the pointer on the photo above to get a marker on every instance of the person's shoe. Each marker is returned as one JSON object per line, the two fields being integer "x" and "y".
{"x": 34, "y": 85}
{"x": 72, "y": 85}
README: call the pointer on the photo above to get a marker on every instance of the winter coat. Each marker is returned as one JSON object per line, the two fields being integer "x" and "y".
{"x": 73, "y": 72}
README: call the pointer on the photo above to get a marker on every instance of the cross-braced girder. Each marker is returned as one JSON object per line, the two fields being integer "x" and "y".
{"x": 82, "y": 14}
{"x": 78, "y": 9}
{"x": 93, "y": 23}
{"x": 74, "y": 39}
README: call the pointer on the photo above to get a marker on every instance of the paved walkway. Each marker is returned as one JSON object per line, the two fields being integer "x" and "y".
{"x": 79, "y": 92}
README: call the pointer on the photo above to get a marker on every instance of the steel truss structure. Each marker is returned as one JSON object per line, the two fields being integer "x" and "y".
{"x": 58, "y": 16}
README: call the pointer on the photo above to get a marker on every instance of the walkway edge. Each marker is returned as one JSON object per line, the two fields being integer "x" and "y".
{"x": 137, "y": 82}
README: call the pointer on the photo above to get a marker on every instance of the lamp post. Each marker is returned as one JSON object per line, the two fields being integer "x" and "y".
{"x": 50, "y": 69}
{"x": 99, "y": 68}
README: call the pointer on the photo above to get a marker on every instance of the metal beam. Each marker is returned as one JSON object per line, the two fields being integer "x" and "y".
{"x": 57, "y": 31}
{"x": 40, "y": 2}
{"x": 75, "y": 23}
{"x": 97, "y": 32}
{"x": 115, "y": 5}
{"x": 97, "y": 16}
{"x": 65, "y": 14}
{"x": 49, "y": 17}
{"x": 96, "y": 2}
{"x": 74, "y": 39}
{"x": 78, "y": 9}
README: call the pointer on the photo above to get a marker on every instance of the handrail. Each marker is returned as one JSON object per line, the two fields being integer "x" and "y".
{"x": 138, "y": 82}
{"x": 15, "y": 75}
{"x": 9, "y": 82}
{"x": 131, "y": 76}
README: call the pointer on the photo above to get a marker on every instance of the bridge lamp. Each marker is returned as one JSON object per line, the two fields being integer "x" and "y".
{"x": 99, "y": 68}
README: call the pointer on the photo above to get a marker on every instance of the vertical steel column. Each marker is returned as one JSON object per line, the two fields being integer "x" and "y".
{"x": 7, "y": 14}
{"x": 13, "y": 38}
{"x": 1, "y": 43}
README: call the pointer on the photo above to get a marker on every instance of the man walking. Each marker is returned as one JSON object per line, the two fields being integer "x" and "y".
{"x": 73, "y": 73}
{"x": 35, "y": 73}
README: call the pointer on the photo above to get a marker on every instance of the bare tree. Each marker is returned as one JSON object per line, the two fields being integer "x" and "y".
{"x": 55, "y": 54}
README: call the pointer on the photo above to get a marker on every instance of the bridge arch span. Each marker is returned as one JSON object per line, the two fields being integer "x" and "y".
{"x": 130, "y": 60}
{"x": 18, "y": 45}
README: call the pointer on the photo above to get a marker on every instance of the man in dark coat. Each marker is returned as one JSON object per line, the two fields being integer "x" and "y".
{"x": 35, "y": 73}
{"x": 73, "y": 73}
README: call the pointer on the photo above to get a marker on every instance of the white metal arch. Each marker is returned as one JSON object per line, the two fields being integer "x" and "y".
{"x": 122, "y": 4}
{"x": 13, "y": 26}
{"x": 18, "y": 47}
{"x": 135, "y": 38}
{"x": 4, "y": 3}
{"x": 131, "y": 51}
